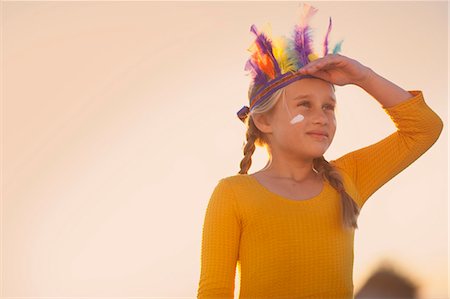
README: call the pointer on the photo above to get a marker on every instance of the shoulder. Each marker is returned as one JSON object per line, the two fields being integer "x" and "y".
{"x": 230, "y": 191}
{"x": 239, "y": 184}
{"x": 347, "y": 180}
{"x": 235, "y": 179}
{"x": 340, "y": 166}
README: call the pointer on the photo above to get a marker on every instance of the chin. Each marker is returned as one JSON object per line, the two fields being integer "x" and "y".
{"x": 312, "y": 150}
{"x": 319, "y": 153}
{"x": 312, "y": 154}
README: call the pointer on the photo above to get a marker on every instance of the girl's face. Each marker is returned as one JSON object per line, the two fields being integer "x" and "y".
{"x": 303, "y": 122}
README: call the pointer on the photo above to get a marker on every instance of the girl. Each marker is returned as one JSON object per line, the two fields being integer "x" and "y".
{"x": 289, "y": 227}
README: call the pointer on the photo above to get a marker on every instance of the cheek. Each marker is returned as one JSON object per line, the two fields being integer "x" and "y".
{"x": 333, "y": 125}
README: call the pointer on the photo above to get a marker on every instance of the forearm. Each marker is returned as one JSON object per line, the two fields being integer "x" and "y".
{"x": 384, "y": 91}
{"x": 418, "y": 128}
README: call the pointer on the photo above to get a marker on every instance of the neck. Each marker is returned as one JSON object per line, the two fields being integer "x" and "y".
{"x": 296, "y": 170}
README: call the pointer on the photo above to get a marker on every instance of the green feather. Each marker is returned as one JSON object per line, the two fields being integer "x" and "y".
{"x": 337, "y": 47}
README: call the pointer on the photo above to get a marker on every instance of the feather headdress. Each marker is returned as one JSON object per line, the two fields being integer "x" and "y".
{"x": 274, "y": 61}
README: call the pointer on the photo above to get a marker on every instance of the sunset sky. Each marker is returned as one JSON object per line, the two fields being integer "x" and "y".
{"x": 119, "y": 118}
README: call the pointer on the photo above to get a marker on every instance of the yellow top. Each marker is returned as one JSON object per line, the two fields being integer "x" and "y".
{"x": 285, "y": 248}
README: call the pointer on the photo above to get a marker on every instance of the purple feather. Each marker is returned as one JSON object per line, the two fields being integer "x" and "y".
{"x": 303, "y": 43}
{"x": 266, "y": 46}
{"x": 258, "y": 76}
{"x": 325, "y": 43}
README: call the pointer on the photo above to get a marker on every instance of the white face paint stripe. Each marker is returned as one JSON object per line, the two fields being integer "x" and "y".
{"x": 298, "y": 118}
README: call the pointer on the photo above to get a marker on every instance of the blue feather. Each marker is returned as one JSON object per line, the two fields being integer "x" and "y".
{"x": 337, "y": 47}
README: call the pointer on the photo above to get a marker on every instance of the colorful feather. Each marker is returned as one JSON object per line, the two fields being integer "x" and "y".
{"x": 273, "y": 57}
{"x": 283, "y": 54}
{"x": 302, "y": 35}
{"x": 264, "y": 53}
{"x": 303, "y": 44}
{"x": 325, "y": 43}
{"x": 258, "y": 77}
{"x": 306, "y": 14}
{"x": 262, "y": 61}
{"x": 337, "y": 47}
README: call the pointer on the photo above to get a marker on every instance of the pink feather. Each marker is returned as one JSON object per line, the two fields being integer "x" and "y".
{"x": 325, "y": 43}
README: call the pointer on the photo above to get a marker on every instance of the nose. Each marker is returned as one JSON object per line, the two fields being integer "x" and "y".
{"x": 320, "y": 117}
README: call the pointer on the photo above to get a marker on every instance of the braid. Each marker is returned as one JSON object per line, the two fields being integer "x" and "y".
{"x": 350, "y": 209}
{"x": 249, "y": 147}
{"x": 253, "y": 135}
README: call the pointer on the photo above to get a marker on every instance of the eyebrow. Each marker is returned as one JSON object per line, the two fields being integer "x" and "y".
{"x": 300, "y": 96}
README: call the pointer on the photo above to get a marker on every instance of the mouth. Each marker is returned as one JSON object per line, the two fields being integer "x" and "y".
{"x": 318, "y": 133}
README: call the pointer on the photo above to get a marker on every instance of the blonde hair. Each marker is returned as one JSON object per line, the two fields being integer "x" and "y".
{"x": 254, "y": 136}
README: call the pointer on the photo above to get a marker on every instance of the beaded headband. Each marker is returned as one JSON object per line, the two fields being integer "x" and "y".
{"x": 274, "y": 62}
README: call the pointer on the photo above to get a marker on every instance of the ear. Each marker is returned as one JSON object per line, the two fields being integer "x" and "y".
{"x": 263, "y": 122}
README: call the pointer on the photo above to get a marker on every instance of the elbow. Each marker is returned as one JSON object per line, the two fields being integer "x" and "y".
{"x": 422, "y": 140}
{"x": 432, "y": 133}
{"x": 431, "y": 126}
{"x": 436, "y": 130}
{"x": 440, "y": 126}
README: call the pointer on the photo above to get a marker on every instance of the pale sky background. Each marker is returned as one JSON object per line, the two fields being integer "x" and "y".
{"x": 119, "y": 118}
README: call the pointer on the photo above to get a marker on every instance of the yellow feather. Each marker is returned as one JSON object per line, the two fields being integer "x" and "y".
{"x": 287, "y": 63}
{"x": 312, "y": 56}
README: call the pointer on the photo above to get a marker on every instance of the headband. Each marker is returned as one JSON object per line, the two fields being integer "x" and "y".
{"x": 274, "y": 62}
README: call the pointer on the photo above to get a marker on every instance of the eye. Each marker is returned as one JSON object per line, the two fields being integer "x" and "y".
{"x": 330, "y": 107}
{"x": 304, "y": 103}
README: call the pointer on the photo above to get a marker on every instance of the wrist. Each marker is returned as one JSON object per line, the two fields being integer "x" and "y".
{"x": 367, "y": 77}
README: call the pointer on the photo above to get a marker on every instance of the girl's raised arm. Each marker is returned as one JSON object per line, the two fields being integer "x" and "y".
{"x": 418, "y": 126}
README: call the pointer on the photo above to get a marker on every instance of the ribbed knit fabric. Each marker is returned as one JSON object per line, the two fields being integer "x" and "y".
{"x": 285, "y": 248}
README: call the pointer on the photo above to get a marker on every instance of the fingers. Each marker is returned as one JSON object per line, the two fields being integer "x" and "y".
{"x": 316, "y": 64}
{"x": 320, "y": 63}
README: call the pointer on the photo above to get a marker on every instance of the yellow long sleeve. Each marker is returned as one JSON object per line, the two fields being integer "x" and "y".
{"x": 220, "y": 244}
{"x": 418, "y": 128}
{"x": 285, "y": 248}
